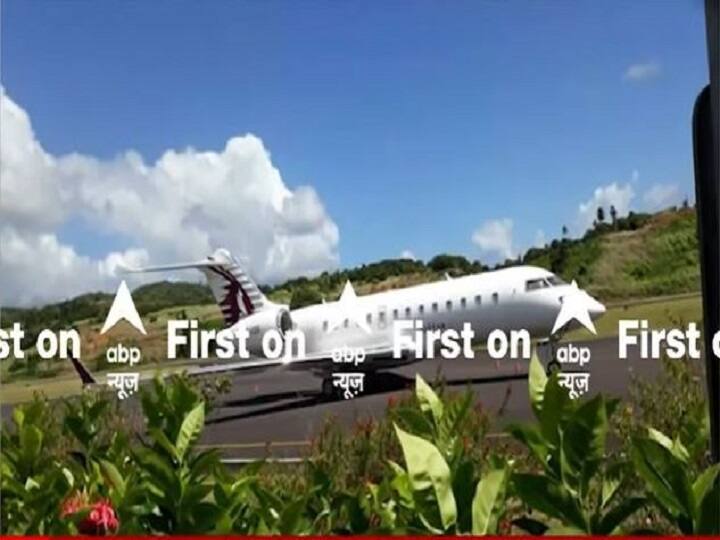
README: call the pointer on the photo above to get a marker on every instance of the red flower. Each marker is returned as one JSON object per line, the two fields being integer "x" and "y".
{"x": 100, "y": 521}
{"x": 505, "y": 527}
{"x": 73, "y": 504}
{"x": 99, "y": 517}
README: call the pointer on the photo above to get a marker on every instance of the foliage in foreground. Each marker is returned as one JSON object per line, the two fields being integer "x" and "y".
{"x": 576, "y": 486}
{"x": 425, "y": 470}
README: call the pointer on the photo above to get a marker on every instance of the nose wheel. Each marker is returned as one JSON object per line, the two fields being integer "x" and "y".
{"x": 546, "y": 350}
{"x": 553, "y": 367}
{"x": 327, "y": 389}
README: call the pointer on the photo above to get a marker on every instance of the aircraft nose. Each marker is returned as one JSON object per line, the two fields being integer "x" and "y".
{"x": 596, "y": 308}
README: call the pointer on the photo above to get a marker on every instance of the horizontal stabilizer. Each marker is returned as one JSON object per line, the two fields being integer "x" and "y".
{"x": 163, "y": 268}
{"x": 237, "y": 295}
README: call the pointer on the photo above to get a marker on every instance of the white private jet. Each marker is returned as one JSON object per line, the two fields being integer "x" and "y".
{"x": 521, "y": 297}
{"x": 515, "y": 298}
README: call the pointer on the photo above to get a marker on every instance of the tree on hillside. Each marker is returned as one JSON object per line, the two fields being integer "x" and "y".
{"x": 558, "y": 256}
{"x": 380, "y": 271}
{"x": 445, "y": 262}
{"x": 613, "y": 214}
{"x": 304, "y": 295}
{"x": 564, "y": 231}
{"x": 600, "y": 214}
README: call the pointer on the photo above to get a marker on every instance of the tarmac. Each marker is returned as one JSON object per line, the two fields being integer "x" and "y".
{"x": 277, "y": 413}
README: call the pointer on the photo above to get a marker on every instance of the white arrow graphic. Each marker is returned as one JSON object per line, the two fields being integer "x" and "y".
{"x": 123, "y": 307}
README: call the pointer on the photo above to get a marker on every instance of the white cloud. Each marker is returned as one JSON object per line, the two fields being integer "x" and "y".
{"x": 614, "y": 194}
{"x": 642, "y": 72}
{"x": 540, "y": 239}
{"x": 31, "y": 196}
{"x": 495, "y": 237}
{"x": 622, "y": 197}
{"x": 407, "y": 254}
{"x": 36, "y": 267}
{"x": 661, "y": 196}
{"x": 181, "y": 207}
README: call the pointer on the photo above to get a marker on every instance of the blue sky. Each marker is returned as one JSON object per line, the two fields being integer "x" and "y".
{"x": 415, "y": 122}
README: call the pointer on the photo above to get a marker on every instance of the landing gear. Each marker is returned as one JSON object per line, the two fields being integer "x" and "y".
{"x": 546, "y": 350}
{"x": 553, "y": 367}
{"x": 328, "y": 389}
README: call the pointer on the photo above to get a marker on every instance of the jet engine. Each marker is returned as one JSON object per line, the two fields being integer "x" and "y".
{"x": 272, "y": 318}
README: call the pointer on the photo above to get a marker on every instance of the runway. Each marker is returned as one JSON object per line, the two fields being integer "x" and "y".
{"x": 276, "y": 413}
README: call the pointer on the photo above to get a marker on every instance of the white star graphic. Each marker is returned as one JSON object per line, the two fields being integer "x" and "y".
{"x": 575, "y": 305}
{"x": 348, "y": 308}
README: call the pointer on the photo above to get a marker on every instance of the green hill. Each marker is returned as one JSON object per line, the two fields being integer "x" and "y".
{"x": 95, "y": 306}
{"x": 638, "y": 256}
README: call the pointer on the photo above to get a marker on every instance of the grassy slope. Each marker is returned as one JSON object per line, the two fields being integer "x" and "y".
{"x": 664, "y": 312}
{"x": 658, "y": 259}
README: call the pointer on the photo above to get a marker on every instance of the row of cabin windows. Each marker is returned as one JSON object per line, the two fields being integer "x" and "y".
{"x": 421, "y": 310}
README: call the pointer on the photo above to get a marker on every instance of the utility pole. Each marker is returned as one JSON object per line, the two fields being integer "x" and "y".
{"x": 706, "y": 148}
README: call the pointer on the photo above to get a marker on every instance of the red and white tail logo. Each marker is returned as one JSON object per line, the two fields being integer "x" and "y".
{"x": 236, "y": 294}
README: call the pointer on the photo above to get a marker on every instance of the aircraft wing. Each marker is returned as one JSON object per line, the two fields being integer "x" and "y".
{"x": 321, "y": 361}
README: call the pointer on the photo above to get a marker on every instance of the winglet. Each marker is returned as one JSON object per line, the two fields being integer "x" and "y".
{"x": 85, "y": 376}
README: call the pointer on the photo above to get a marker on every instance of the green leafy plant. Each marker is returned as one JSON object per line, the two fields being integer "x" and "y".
{"x": 576, "y": 487}
{"x": 440, "y": 490}
{"x": 176, "y": 481}
{"x": 672, "y": 402}
{"x": 33, "y": 482}
{"x": 691, "y": 502}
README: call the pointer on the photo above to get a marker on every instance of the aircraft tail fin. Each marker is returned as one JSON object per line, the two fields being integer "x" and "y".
{"x": 237, "y": 295}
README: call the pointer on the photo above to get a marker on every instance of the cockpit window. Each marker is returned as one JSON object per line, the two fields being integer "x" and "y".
{"x": 543, "y": 282}
{"x": 535, "y": 284}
